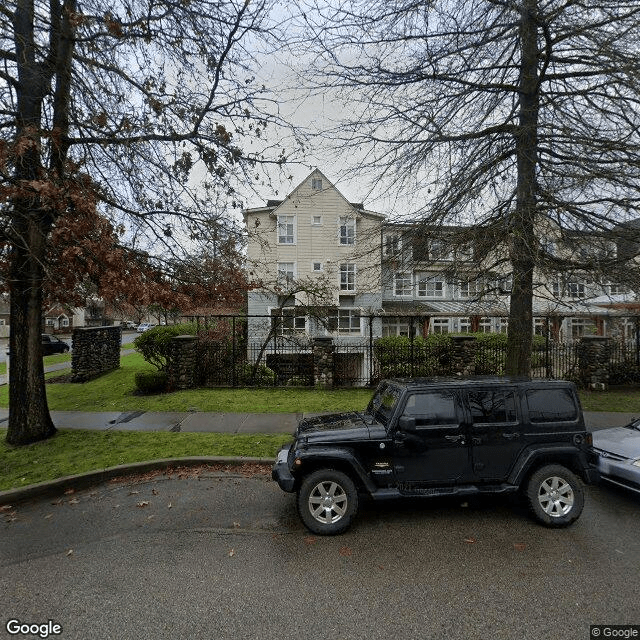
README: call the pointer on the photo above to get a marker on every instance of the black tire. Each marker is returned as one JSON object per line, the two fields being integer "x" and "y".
{"x": 327, "y": 502}
{"x": 555, "y": 495}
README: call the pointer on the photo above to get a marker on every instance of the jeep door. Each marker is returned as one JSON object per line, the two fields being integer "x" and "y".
{"x": 496, "y": 433}
{"x": 430, "y": 444}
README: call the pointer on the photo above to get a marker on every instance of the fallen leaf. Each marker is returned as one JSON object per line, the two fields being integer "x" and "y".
{"x": 70, "y": 552}
{"x": 232, "y": 553}
{"x": 470, "y": 540}
{"x": 236, "y": 525}
{"x": 68, "y": 492}
{"x": 74, "y": 501}
{"x": 133, "y": 493}
{"x": 7, "y": 507}
{"x": 144, "y": 503}
{"x": 57, "y": 503}
{"x": 345, "y": 551}
{"x": 50, "y": 515}
{"x": 519, "y": 546}
{"x": 309, "y": 540}
{"x": 169, "y": 505}
{"x": 154, "y": 491}
{"x": 150, "y": 517}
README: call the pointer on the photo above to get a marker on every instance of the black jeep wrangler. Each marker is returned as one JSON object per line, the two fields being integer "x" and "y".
{"x": 443, "y": 437}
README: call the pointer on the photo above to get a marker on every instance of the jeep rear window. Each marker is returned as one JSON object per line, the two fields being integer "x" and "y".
{"x": 551, "y": 405}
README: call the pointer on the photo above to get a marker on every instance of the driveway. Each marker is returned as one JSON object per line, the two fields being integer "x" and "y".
{"x": 217, "y": 555}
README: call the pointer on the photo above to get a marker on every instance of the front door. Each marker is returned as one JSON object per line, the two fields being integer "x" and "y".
{"x": 435, "y": 451}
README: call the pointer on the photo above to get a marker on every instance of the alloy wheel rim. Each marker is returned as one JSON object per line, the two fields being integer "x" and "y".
{"x": 328, "y": 502}
{"x": 555, "y": 497}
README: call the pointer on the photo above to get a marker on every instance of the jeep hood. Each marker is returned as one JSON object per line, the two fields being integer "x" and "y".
{"x": 335, "y": 426}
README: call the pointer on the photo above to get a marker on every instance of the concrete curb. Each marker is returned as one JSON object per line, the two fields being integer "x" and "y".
{"x": 91, "y": 478}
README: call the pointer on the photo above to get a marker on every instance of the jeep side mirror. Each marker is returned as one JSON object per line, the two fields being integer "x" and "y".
{"x": 405, "y": 423}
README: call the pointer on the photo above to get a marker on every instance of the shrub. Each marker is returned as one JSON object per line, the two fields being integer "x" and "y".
{"x": 151, "y": 381}
{"x": 299, "y": 381}
{"x": 264, "y": 376}
{"x": 155, "y": 343}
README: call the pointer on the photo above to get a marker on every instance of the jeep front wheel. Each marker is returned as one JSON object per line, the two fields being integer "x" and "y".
{"x": 327, "y": 501}
{"x": 555, "y": 495}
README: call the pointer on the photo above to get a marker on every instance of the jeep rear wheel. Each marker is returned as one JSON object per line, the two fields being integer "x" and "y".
{"x": 327, "y": 501}
{"x": 555, "y": 496}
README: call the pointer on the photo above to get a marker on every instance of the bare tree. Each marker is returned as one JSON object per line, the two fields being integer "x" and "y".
{"x": 138, "y": 110}
{"x": 510, "y": 117}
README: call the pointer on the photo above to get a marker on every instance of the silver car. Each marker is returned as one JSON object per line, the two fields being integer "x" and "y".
{"x": 618, "y": 455}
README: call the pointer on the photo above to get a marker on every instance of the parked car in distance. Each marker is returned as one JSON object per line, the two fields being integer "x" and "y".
{"x": 145, "y": 326}
{"x": 422, "y": 438}
{"x": 617, "y": 452}
{"x": 128, "y": 324}
{"x": 52, "y": 344}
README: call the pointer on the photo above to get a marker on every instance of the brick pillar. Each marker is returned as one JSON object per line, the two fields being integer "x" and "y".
{"x": 463, "y": 355}
{"x": 593, "y": 361}
{"x": 323, "y": 351}
{"x": 183, "y": 363}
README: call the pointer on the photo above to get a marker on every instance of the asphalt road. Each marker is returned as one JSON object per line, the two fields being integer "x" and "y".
{"x": 217, "y": 556}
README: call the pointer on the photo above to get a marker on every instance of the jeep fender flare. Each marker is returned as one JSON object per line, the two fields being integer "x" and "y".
{"x": 335, "y": 458}
{"x": 531, "y": 458}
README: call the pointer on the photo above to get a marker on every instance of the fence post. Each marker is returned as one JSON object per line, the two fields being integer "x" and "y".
{"x": 233, "y": 351}
{"x": 463, "y": 355}
{"x": 183, "y": 363}
{"x": 323, "y": 352}
{"x": 593, "y": 361}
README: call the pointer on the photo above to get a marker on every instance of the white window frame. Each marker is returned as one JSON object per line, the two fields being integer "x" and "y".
{"x": 392, "y": 327}
{"x": 439, "y": 251}
{"x": 316, "y": 221}
{"x": 348, "y": 272}
{"x": 320, "y": 265}
{"x": 464, "y": 325}
{"x": 392, "y": 244}
{"x": 347, "y": 230}
{"x": 431, "y": 282}
{"x": 349, "y": 314}
{"x": 400, "y": 281}
{"x": 468, "y": 290}
{"x": 576, "y": 289}
{"x": 438, "y": 324}
{"x": 316, "y": 184}
{"x": 286, "y": 275}
{"x": 485, "y": 325}
{"x": 297, "y": 324}
{"x": 284, "y": 222}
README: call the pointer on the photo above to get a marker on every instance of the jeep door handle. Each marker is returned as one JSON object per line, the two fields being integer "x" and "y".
{"x": 511, "y": 436}
{"x": 459, "y": 439}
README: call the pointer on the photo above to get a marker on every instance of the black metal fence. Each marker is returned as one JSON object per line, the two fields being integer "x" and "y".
{"x": 229, "y": 356}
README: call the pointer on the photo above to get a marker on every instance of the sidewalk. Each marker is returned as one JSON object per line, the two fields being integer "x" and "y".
{"x": 202, "y": 422}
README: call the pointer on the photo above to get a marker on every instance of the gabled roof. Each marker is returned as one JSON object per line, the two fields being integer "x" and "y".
{"x": 273, "y": 205}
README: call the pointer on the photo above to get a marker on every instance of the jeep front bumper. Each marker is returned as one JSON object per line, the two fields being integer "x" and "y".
{"x": 280, "y": 471}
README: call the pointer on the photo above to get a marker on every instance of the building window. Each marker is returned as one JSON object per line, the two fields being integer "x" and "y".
{"x": 465, "y": 253}
{"x": 468, "y": 289}
{"x": 347, "y": 230}
{"x": 431, "y": 287}
{"x": 65, "y": 321}
{"x": 503, "y": 325}
{"x": 439, "y": 250}
{"x": 288, "y": 321}
{"x": 402, "y": 284}
{"x": 391, "y": 245}
{"x": 345, "y": 321}
{"x": 316, "y": 220}
{"x": 616, "y": 289}
{"x": 540, "y": 326}
{"x": 347, "y": 277}
{"x": 316, "y": 184}
{"x": 395, "y": 327}
{"x": 485, "y": 325}
{"x": 286, "y": 273}
{"x": 464, "y": 325}
{"x": 50, "y": 322}
{"x": 440, "y": 325}
{"x": 317, "y": 266}
{"x": 576, "y": 290}
{"x": 582, "y": 327}
{"x": 286, "y": 229}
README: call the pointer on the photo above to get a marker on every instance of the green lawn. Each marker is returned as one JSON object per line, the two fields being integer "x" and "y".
{"x": 76, "y": 451}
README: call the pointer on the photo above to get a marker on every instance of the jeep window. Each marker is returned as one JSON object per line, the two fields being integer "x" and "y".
{"x": 551, "y": 405}
{"x": 492, "y": 406}
{"x": 383, "y": 403}
{"x": 432, "y": 408}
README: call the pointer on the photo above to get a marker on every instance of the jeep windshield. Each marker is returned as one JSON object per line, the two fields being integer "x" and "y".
{"x": 383, "y": 403}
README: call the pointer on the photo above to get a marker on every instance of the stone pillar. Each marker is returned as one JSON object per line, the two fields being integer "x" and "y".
{"x": 593, "y": 361}
{"x": 182, "y": 365}
{"x": 323, "y": 351}
{"x": 96, "y": 350}
{"x": 463, "y": 355}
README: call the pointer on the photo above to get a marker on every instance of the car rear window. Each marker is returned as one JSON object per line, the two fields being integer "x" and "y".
{"x": 551, "y": 405}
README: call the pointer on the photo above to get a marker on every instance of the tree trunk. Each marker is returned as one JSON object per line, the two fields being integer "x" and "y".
{"x": 29, "y": 419}
{"x": 523, "y": 245}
